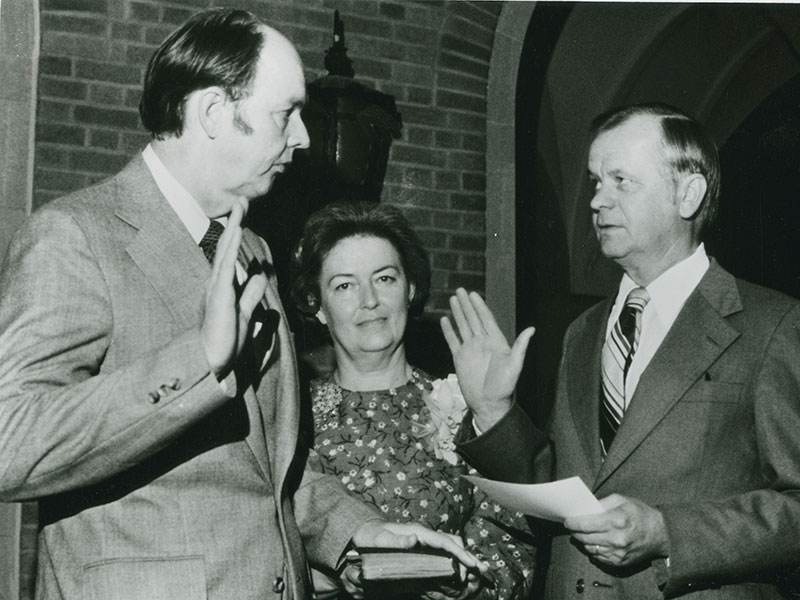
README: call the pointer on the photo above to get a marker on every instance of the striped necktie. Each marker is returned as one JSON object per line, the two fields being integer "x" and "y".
{"x": 618, "y": 353}
{"x": 209, "y": 242}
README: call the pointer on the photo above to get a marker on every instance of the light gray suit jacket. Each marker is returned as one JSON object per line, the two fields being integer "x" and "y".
{"x": 712, "y": 437}
{"x": 153, "y": 482}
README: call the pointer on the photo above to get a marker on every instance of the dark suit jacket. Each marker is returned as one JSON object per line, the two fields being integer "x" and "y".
{"x": 711, "y": 437}
{"x": 153, "y": 482}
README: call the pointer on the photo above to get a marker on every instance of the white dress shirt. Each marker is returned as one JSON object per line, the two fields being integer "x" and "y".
{"x": 181, "y": 201}
{"x": 668, "y": 293}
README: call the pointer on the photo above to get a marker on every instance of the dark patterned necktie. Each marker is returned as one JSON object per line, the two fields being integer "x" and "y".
{"x": 618, "y": 352}
{"x": 209, "y": 242}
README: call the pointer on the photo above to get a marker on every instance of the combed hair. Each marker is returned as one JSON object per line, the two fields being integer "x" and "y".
{"x": 217, "y": 47}
{"x": 689, "y": 148}
{"x": 339, "y": 221}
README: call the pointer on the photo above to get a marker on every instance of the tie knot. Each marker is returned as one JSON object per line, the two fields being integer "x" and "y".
{"x": 209, "y": 242}
{"x": 637, "y": 299}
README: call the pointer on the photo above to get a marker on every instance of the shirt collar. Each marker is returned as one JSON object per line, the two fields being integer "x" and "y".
{"x": 669, "y": 291}
{"x": 181, "y": 201}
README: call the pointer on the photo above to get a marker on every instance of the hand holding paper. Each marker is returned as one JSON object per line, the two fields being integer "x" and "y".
{"x": 627, "y": 532}
{"x": 555, "y": 501}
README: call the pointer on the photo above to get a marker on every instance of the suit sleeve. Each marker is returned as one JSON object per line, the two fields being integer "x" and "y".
{"x": 65, "y": 421}
{"x": 512, "y": 450}
{"x": 752, "y": 533}
{"x": 327, "y": 515}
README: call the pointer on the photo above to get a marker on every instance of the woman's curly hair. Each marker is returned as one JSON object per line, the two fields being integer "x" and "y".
{"x": 338, "y": 221}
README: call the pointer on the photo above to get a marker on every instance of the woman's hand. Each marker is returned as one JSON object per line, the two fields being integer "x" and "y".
{"x": 487, "y": 368}
{"x": 350, "y": 579}
{"x": 469, "y": 588}
{"x": 377, "y": 533}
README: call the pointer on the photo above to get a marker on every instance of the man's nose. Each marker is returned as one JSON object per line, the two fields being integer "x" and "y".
{"x": 601, "y": 198}
{"x": 298, "y": 134}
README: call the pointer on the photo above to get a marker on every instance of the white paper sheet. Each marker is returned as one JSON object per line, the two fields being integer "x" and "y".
{"x": 554, "y": 501}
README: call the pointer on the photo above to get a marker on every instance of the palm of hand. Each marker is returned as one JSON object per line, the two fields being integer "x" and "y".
{"x": 485, "y": 369}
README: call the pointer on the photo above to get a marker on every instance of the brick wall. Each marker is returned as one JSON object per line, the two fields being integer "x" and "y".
{"x": 432, "y": 56}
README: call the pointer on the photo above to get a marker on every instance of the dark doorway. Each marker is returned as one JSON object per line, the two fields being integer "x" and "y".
{"x": 544, "y": 297}
{"x": 757, "y": 234}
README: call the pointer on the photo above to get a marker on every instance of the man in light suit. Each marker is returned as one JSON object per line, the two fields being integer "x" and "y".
{"x": 697, "y": 461}
{"x": 148, "y": 393}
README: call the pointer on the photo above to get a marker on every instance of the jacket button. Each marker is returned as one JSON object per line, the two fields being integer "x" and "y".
{"x": 175, "y": 384}
{"x": 154, "y": 397}
{"x": 278, "y": 585}
{"x": 580, "y": 586}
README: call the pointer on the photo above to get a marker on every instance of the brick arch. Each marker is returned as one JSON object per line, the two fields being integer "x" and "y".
{"x": 509, "y": 38}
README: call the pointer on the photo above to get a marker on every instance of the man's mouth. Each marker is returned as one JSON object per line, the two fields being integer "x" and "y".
{"x": 371, "y": 321}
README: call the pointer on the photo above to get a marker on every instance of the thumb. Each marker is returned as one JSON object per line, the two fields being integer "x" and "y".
{"x": 520, "y": 347}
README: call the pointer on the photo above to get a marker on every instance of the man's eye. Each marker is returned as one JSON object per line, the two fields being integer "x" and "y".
{"x": 285, "y": 115}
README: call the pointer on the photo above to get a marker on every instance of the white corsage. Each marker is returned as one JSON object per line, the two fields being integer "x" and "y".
{"x": 447, "y": 408}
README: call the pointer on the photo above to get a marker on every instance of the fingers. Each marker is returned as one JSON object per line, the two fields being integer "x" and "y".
{"x": 587, "y": 523}
{"x": 450, "y": 335}
{"x": 467, "y": 302}
{"x": 252, "y": 295}
{"x": 450, "y": 543}
{"x": 484, "y": 315}
{"x": 228, "y": 246}
{"x": 351, "y": 579}
{"x": 464, "y": 330}
{"x": 472, "y": 316}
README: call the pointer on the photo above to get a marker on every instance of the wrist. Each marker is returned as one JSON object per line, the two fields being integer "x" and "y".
{"x": 488, "y": 416}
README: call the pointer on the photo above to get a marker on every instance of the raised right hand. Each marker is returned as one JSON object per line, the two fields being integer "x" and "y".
{"x": 227, "y": 320}
{"x": 487, "y": 368}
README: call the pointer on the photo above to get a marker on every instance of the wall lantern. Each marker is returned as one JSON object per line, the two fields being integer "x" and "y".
{"x": 351, "y": 127}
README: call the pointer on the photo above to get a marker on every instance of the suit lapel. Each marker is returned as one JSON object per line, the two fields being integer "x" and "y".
{"x": 584, "y": 384}
{"x": 698, "y": 337}
{"x": 280, "y": 414}
{"x": 168, "y": 256}
{"x": 162, "y": 247}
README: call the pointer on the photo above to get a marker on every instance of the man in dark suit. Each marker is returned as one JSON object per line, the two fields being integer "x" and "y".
{"x": 678, "y": 399}
{"x": 148, "y": 388}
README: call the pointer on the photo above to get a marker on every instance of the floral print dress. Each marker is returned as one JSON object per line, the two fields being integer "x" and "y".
{"x": 384, "y": 449}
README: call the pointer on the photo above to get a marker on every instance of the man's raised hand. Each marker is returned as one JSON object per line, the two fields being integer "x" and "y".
{"x": 227, "y": 319}
{"x": 487, "y": 367}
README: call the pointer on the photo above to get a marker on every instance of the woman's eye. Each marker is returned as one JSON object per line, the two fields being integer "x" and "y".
{"x": 386, "y": 279}
{"x": 343, "y": 286}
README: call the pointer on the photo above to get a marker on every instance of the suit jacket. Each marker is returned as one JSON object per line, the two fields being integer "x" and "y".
{"x": 711, "y": 437}
{"x": 153, "y": 482}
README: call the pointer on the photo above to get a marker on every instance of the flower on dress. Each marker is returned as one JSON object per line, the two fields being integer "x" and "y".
{"x": 446, "y": 407}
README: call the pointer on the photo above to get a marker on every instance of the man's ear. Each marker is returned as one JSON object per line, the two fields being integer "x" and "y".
{"x": 692, "y": 191}
{"x": 321, "y": 317}
{"x": 412, "y": 289}
{"x": 212, "y": 108}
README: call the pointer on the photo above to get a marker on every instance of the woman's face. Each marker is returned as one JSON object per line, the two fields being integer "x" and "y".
{"x": 364, "y": 295}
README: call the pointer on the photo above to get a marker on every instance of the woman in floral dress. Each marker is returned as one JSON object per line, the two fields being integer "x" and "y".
{"x": 384, "y": 427}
